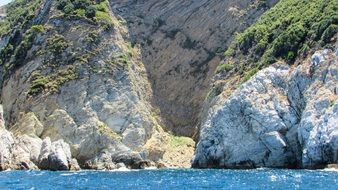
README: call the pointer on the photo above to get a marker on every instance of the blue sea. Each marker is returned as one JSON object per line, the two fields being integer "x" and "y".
{"x": 171, "y": 179}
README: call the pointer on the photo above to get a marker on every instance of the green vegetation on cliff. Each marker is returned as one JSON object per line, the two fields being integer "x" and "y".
{"x": 21, "y": 50}
{"x": 59, "y": 55}
{"x": 19, "y": 13}
{"x": 176, "y": 141}
{"x": 51, "y": 82}
{"x": 290, "y": 29}
{"x": 96, "y": 10}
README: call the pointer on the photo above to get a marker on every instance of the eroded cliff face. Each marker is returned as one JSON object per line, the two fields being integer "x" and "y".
{"x": 181, "y": 44}
{"x": 283, "y": 117}
{"x": 79, "y": 82}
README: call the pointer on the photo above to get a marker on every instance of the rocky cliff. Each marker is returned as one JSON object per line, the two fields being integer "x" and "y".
{"x": 102, "y": 84}
{"x": 283, "y": 115}
{"x": 107, "y": 82}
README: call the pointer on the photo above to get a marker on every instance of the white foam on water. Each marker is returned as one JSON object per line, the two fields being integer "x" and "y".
{"x": 273, "y": 178}
{"x": 331, "y": 169}
{"x": 151, "y": 168}
{"x": 69, "y": 174}
{"x": 122, "y": 170}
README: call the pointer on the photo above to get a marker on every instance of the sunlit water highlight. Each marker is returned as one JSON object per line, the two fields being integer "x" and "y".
{"x": 171, "y": 179}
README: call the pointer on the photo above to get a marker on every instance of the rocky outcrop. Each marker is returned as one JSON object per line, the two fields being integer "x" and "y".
{"x": 116, "y": 160}
{"x": 282, "y": 117}
{"x": 26, "y": 152}
{"x": 6, "y": 144}
{"x": 55, "y": 156}
{"x": 17, "y": 153}
{"x": 131, "y": 159}
{"x": 101, "y": 162}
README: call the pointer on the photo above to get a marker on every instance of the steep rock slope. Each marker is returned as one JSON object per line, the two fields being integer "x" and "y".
{"x": 182, "y": 43}
{"x": 77, "y": 78}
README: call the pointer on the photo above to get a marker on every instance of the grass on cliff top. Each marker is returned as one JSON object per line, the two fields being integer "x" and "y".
{"x": 288, "y": 30}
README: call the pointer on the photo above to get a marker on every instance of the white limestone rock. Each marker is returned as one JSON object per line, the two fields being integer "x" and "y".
{"x": 55, "y": 156}
{"x": 282, "y": 117}
{"x": 6, "y": 145}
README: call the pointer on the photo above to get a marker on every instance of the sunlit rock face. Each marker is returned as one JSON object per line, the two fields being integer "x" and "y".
{"x": 281, "y": 117}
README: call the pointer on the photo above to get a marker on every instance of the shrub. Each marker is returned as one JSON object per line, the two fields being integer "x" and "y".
{"x": 104, "y": 18}
{"x": 229, "y": 52}
{"x": 324, "y": 24}
{"x": 289, "y": 41}
{"x": 97, "y": 10}
{"x": 38, "y": 84}
{"x": 224, "y": 67}
{"x": 250, "y": 73}
{"x": 329, "y": 33}
{"x": 93, "y": 37}
{"x": 51, "y": 82}
{"x": 216, "y": 90}
{"x": 176, "y": 141}
{"x": 26, "y": 43}
{"x": 81, "y": 4}
{"x": 19, "y": 14}
{"x": 289, "y": 29}
{"x": 90, "y": 12}
{"x": 80, "y": 12}
{"x": 6, "y": 51}
{"x": 260, "y": 48}
{"x": 69, "y": 8}
{"x": 105, "y": 130}
{"x": 61, "y": 4}
{"x": 57, "y": 44}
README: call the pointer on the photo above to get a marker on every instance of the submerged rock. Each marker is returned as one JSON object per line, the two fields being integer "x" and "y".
{"x": 282, "y": 117}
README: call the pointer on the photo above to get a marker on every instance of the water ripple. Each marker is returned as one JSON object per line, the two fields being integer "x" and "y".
{"x": 171, "y": 179}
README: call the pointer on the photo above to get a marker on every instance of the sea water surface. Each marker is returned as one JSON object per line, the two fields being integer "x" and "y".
{"x": 171, "y": 179}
